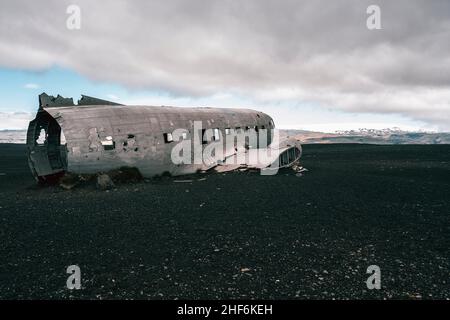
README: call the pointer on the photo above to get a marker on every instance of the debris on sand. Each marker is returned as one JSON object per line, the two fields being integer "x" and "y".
{"x": 182, "y": 181}
{"x": 104, "y": 182}
{"x": 298, "y": 169}
{"x": 125, "y": 175}
{"x": 69, "y": 181}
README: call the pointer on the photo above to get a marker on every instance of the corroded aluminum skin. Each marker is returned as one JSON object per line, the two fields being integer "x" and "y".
{"x": 85, "y": 126}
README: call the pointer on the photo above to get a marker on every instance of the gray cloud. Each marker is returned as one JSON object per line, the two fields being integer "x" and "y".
{"x": 312, "y": 51}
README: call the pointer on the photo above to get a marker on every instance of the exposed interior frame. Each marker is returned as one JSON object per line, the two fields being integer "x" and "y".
{"x": 47, "y": 147}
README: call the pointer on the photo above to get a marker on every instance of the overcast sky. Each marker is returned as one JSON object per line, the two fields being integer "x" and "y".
{"x": 310, "y": 64}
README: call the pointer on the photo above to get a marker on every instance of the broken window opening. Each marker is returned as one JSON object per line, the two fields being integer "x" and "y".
{"x": 168, "y": 137}
{"x": 227, "y": 131}
{"x": 204, "y": 140}
{"x": 42, "y": 137}
{"x": 129, "y": 143}
{"x": 108, "y": 143}
{"x": 216, "y": 134}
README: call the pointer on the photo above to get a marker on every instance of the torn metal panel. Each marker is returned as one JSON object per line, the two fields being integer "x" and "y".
{"x": 90, "y": 101}
{"x": 46, "y": 101}
{"x": 274, "y": 157}
{"x": 98, "y": 135}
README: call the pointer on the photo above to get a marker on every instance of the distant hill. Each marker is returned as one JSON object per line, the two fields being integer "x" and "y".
{"x": 385, "y": 136}
{"x": 372, "y": 136}
{"x": 13, "y": 136}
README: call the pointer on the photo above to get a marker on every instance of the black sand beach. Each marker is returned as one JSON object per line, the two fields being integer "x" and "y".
{"x": 239, "y": 234}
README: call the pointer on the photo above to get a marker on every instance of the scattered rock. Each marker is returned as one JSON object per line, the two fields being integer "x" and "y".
{"x": 125, "y": 175}
{"x": 104, "y": 182}
{"x": 299, "y": 169}
{"x": 69, "y": 181}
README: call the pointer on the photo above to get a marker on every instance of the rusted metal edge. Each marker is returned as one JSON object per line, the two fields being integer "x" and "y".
{"x": 46, "y": 101}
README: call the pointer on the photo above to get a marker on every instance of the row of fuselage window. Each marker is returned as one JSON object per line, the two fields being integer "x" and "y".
{"x": 168, "y": 137}
{"x": 109, "y": 144}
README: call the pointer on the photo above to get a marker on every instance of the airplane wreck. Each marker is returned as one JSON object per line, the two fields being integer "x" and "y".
{"x": 96, "y": 136}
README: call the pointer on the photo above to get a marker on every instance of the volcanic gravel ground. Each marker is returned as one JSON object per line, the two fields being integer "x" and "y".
{"x": 239, "y": 234}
